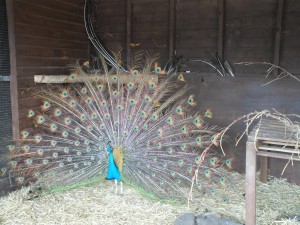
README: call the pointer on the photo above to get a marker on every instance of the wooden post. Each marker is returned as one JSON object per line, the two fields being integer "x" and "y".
{"x": 250, "y": 183}
{"x": 277, "y": 43}
{"x": 172, "y": 13}
{"x": 128, "y": 29}
{"x": 221, "y": 5}
{"x": 13, "y": 68}
{"x": 264, "y": 167}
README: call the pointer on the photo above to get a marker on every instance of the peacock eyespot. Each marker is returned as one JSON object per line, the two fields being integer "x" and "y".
{"x": 3, "y": 170}
{"x": 198, "y": 140}
{"x": 132, "y": 102}
{"x": 40, "y": 151}
{"x": 94, "y": 115}
{"x": 129, "y": 117}
{"x": 120, "y": 107}
{"x": 73, "y": 103}
{"x": 213, "y": 191}
{"x": 115, "y": 93}
{"x": 130, "y": 85}
{"x": 115, "y": 77}
{"x": 66, "y": 150}
{"x": 57, "y": 112}
{"x": 152, "y": 85}
{"x": 197, "y": 159}
{"x": 170, "y": 150}
{"x": 84, "y": 90}
{"x": 228, "y": 162}
{"x": 107, "y": 116}
{"x": 65, "y": 94}
{"x": 180, "y": 162}
{"x": 90, "y": 128}
{"x": 31, "y": 113}
{"x": 26, "y": 147}
{"x": 145, "y": 127}
{"x": 100, "y": 87}
{"x": 21, "y": 179}
{"x": 11, "y": 147}
{"x": 45, "y": 161}
{"x": 183, "y": 146}
{"x": 65, "y": 134}
{"x": 88, "y": 101}
{"x": 83, "y": 117}
{"x": 77, "y": 130}
{"x": 37, "y": 174}
{"x": 67, "y": 121}
{"x": 158, "y": 69}
{"x": 212, "y": 160}
{"x": 102, "y": 126}
{"x": 136, "y": 128}
{"x": 14, "y": 163}
{"x": 73, "y": 76}
{"x": 55, "y": 154}
{"x": 222, "y": 179}
{"x": 135, "y": 73}
{"x": 53, "y": 143}
{"x": 189, "y": 169}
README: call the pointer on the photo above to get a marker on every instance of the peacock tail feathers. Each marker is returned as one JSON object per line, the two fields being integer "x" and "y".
{"x": 162, "y": 145}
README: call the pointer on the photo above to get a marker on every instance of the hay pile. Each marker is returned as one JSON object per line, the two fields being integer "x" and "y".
{"x": 97, "y": 204}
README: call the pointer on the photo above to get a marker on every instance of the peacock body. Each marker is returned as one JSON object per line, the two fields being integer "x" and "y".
{"x": 159, "y": 143}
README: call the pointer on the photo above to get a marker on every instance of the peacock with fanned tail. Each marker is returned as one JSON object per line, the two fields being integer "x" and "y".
{"x": 134, "y": 125}
{"x": 143, "y": 119}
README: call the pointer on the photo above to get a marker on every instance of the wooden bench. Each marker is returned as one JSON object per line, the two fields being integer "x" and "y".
{"x": 269, "y": 138}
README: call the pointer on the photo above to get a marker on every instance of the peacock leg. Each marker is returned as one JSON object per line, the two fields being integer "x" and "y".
{"x": 116, "y": 186}
{"x": 121, "y": 188}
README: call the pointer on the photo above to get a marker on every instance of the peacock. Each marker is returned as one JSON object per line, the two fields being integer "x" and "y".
{"x": 134, "y": 124}
{"x": 137, "y": 127}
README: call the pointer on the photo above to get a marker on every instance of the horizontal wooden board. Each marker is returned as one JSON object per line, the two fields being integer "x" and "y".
{"x": 42, "y": 11}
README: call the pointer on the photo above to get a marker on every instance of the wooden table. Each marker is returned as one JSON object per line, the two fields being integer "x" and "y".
{"x": 269, "y": 138}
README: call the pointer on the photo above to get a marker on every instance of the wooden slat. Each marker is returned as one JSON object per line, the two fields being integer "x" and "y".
{"x": 278, "y": 34}
{"x": 26, "y": 8}
{"x": 278, "y": 149}
{"x": 13, "y": 68}
{"x": 128, "y": 29}
{"x": 221, "y": 6}
{"x": 172, "y": 19}
{"x": 278, "y": 155}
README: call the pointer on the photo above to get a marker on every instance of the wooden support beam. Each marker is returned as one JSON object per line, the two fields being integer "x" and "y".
{"x": 121, "y": 78}
{"x": 250, "y": 183}
{"x": 221, "y": 17}
{"x": 264, "y": 168}
{"x": 128, "y": 29}
{"x": 278, "y": 34}
{"x": 172, "y": 18}
{"x": 13, "y": 68}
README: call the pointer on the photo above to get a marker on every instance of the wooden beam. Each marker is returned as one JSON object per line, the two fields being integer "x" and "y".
{"x": 128, "y": 29}
{"x": 13, "y": 68}
{"x": 221, "y": 16}
{"x": 278, "y": 34}
{"x": 264, "y": 169}
{"x": 172, "y": 18}
{"x": 121, "y": 78}
{"x": 250, "y": 183}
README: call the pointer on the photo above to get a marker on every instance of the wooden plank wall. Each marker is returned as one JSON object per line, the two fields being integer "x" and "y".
{"x": 49, "y": 35}
{"x": 248, "y": 30}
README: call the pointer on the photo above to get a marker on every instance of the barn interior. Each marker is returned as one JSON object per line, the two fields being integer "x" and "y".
{"x": 42, "y": 37}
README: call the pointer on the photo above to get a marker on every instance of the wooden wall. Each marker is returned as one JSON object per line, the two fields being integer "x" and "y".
{"x": 45, "y": 36}
{"x": 238, "y": 30}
